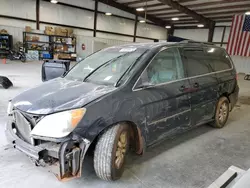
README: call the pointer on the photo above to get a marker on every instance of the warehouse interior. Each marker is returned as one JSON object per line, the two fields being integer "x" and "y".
{"x": 71, "y": 30}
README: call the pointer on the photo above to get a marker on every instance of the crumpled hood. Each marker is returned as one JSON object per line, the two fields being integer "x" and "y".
{"x": 58, "y": 95}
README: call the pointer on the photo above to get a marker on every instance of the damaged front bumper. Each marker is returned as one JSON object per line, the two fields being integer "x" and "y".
{"x": 64, "y": 157}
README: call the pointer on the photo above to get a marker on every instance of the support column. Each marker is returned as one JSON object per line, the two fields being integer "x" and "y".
{"x": 38, "y": 14}
{"x": 95, "y": 17}
{"x": 170, "y": 32}
{"x": 211, "y": 32}
{"x": 223, "y": 36}
{"x": 135, "y": 27}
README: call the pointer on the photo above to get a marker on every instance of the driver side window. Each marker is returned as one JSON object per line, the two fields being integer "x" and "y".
{"x": 165, "y": 67}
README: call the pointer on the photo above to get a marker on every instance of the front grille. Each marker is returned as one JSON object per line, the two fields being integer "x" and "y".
{"x": 24, "y": 123}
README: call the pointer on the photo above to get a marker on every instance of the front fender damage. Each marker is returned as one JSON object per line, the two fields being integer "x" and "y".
{"x": 64, "y": 157}
{"x": 71, "y": 154}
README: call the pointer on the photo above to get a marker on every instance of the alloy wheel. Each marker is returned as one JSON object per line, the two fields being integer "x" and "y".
{"x": 121, "y": 150}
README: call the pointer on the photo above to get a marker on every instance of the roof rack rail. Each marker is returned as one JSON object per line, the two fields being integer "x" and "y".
{"x": 196, "y": 42}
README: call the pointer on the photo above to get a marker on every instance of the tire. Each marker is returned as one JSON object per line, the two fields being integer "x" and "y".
{"x": 221, "y": 113}
{"x": 247, "y": 77}
{"x": 23, "y": 59}
{"x": 10, "y": 57}
{"x": 5, "y": 82}
{"x": 106, "y": 163}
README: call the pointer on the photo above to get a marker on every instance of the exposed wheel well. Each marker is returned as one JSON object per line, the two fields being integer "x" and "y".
{"x": 228, "y": 98}
{"x": 136, "y": 138}
{"x": 226, "y": 95}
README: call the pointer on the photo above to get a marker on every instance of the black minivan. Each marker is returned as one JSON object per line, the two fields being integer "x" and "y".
{"x": 122, "y": 97}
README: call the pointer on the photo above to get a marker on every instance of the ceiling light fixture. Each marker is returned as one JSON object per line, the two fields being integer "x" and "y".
{"x": 140, "y": 9}
{"x": 142, "y": 21}
{"x": 247, "y": 13}
{"x": 108, "y": 14}
{"x": 175, "y": 19}
{"x": 168, "y": 27}
{"x": 54, "y": 1}
{"x": 200, "y": 25}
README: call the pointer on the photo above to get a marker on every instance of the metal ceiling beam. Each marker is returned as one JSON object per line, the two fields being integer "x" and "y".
{"x": 170, "y": 14}
{"x": 191, "y": 22}
{"x": 184, "y": 21}
{"x": 136, "y": 2}
{"x": 231, "y": 7}
{"x": 187, "y": 11}
{"x": 221, "y": 13}
{"x": 223, "y": 18}
{"x": 199, "y": 5}
{"x": 158, "y": 10}
{"x": 130, "y": 10}
{"x": 154, "y": 5}
{"x": 224, "y": 11}
{"x": 212, "y": 3}
{"x": 218, "y": 21}
{"x": 173, "y": 15}
{"x": 185, "y": 1}
{"x": 230, "y": 0}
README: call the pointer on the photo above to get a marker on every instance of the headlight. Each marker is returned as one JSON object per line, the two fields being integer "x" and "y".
{"x": 9, "y": 108}
{"x": 59, "y": 124}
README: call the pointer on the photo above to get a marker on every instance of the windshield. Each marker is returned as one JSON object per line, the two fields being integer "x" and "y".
{"x": 106, "y": 66}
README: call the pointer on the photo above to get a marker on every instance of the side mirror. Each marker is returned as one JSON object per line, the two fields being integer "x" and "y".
{"x": 54, "y": 68}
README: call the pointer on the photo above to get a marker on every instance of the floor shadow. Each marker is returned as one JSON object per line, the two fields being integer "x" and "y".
{"x": 167, "y": 144}
{"x": 151, "y": 152}
{"x": 244, "y": 100}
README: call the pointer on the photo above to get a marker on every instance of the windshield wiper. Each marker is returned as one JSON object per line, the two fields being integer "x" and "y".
{"x": 106, "y": 63}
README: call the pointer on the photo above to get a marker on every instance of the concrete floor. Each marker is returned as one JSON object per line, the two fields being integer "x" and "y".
{"x": 194, "y": 159}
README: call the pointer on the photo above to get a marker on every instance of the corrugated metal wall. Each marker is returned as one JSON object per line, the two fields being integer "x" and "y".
{"x": 242, "y": 64}
{"x": 89, "y": 44}
{"x": 17, "y": 33}
{"x": 55, "y": 13}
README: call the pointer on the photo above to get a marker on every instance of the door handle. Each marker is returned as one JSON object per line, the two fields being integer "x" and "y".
{"x": 182, "y": 88}
{"x": 196, "y": 85}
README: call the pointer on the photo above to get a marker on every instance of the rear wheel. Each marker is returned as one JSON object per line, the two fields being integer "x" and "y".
{"x": 110, "y": 152}
{"x": 222, "y": 113}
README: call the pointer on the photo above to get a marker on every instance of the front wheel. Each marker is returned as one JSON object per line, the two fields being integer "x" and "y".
{"x": 222, "y": 113}
{"x": 110, "y": 151}
{"x": 23, "y": 59}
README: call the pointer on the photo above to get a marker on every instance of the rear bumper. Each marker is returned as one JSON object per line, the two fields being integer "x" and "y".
{"x": 65, "y": 159}
{"x": 234, "y": 97}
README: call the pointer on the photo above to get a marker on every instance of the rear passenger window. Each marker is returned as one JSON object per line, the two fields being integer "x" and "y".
{"x": 195, "y": 63}
{"x": 218, "y": 59}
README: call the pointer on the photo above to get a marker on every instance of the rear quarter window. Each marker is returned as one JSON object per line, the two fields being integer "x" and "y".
{"x": 218, "y": 59}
